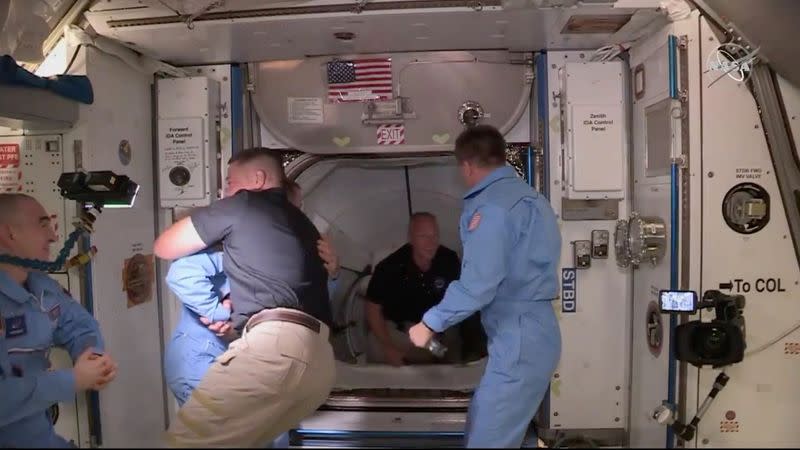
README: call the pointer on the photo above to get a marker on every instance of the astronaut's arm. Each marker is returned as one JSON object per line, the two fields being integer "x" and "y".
{"x": 77, "y": 330}
{"x": 486, "y": 249}
{"x": 31, "y": 394}
{"x": 190, "y": 279}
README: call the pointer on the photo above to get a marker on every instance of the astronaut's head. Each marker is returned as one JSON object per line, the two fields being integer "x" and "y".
{"x": 479, "y": 150}
{"x": 26, "y": 229}
{"x": 423, "y": 235}
{"x": 254, "y": 169}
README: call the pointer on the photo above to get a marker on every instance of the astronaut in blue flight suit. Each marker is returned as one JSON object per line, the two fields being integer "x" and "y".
{"x": 512, "y": 249}
{"x": 200, "y": 284}
{"x": 36, "y": 314}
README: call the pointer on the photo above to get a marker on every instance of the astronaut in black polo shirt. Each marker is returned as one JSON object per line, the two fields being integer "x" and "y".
{"x": 405, "y": 285}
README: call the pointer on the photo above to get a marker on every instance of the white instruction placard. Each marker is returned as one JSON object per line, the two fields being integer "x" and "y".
{"x": 597, "y": 140}
{"x": 306, "y": 110}
{"x": 180, "y": 144}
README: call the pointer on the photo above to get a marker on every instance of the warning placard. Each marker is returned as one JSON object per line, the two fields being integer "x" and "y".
{"x": 10, "y": 174}
{"x": 305, "y": 110}
{"x": 9, "y": 155}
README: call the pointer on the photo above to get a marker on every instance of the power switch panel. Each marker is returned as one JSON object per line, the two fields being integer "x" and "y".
{"x": 583, "y": 254}
{"x": 600, "y": 244}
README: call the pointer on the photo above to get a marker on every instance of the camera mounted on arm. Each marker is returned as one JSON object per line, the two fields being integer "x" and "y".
{"x": 717, "y": 343}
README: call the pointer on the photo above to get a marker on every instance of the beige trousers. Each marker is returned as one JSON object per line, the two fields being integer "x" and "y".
{"x": 275, "y": 375}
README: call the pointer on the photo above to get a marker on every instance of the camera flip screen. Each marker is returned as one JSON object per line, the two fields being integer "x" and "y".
{"x": 678, "y": 301}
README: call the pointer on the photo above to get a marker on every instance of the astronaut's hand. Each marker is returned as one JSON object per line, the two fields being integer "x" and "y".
{"x": 420, "y": 334}
{"x": 220, "y": 328}
{"x": 110, "y": 373}
{"x": 329, "y": 256}
{"x": 92, "y": 371}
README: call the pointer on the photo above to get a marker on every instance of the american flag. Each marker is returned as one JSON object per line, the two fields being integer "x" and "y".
{"x": 359, "y": 80}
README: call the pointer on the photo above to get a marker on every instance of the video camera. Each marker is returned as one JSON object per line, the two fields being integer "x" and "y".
{"x": 718, "y": 343}
{"x": 100, "y": 189}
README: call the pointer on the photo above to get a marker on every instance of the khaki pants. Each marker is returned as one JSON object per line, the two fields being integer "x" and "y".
{"x": 277, "y": 374}
{"x": 414, "y": 355}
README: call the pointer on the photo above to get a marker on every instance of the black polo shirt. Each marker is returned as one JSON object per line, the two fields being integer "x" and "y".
{"x": 270, "y": 254}
{"x": 403, "y": 291}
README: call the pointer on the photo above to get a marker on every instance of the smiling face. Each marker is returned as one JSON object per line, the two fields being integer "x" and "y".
{"x": 423, "y": 235}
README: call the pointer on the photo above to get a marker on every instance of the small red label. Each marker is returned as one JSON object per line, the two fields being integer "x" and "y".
{"x": 9, "y": 154}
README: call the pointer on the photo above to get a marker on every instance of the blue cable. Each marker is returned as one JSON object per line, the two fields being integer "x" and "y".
{"x": 674, "y": 211}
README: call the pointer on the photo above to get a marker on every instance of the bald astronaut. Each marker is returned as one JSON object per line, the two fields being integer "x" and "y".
{"x": 36, "y": 315}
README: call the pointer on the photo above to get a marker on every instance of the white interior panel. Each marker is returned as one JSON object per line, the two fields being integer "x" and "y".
{"x": 259, "y": 38}
{"x": 762, "y": 394}
{"x": 651, "y": 197}
{"x": 597, "y": 128}
{"x": 587, "y": 374}
{"x": 131, "y": 334}
{"x": 435, "y": 84}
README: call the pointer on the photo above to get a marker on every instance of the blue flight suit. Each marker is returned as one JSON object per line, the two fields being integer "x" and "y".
{"x": 200, "y": 283}
{"x": 33, "y": 319}
{"x": 512, "y": 248}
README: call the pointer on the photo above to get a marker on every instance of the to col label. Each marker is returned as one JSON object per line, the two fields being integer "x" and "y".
{"x": 568, "y": 290}
{"x": 743, "y": 286}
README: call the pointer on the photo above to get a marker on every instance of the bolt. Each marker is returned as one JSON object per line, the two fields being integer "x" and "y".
{"x": 705, "y": 441}
{"x": 710, "y": 174}
{"x": 552, "y": 66}
{"x": 555, "y": 414}
{"x": 618, "y": 388}
{"x": 556, "y": 376}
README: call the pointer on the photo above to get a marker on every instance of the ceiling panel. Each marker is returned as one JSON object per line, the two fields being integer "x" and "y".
{"x": 286, "y": 37}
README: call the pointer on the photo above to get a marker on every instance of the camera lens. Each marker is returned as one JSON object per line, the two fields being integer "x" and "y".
{"x": 713, "y": 342}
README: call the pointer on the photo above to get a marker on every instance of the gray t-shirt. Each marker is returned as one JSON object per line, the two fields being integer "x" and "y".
{"x": 271, "y": 255}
